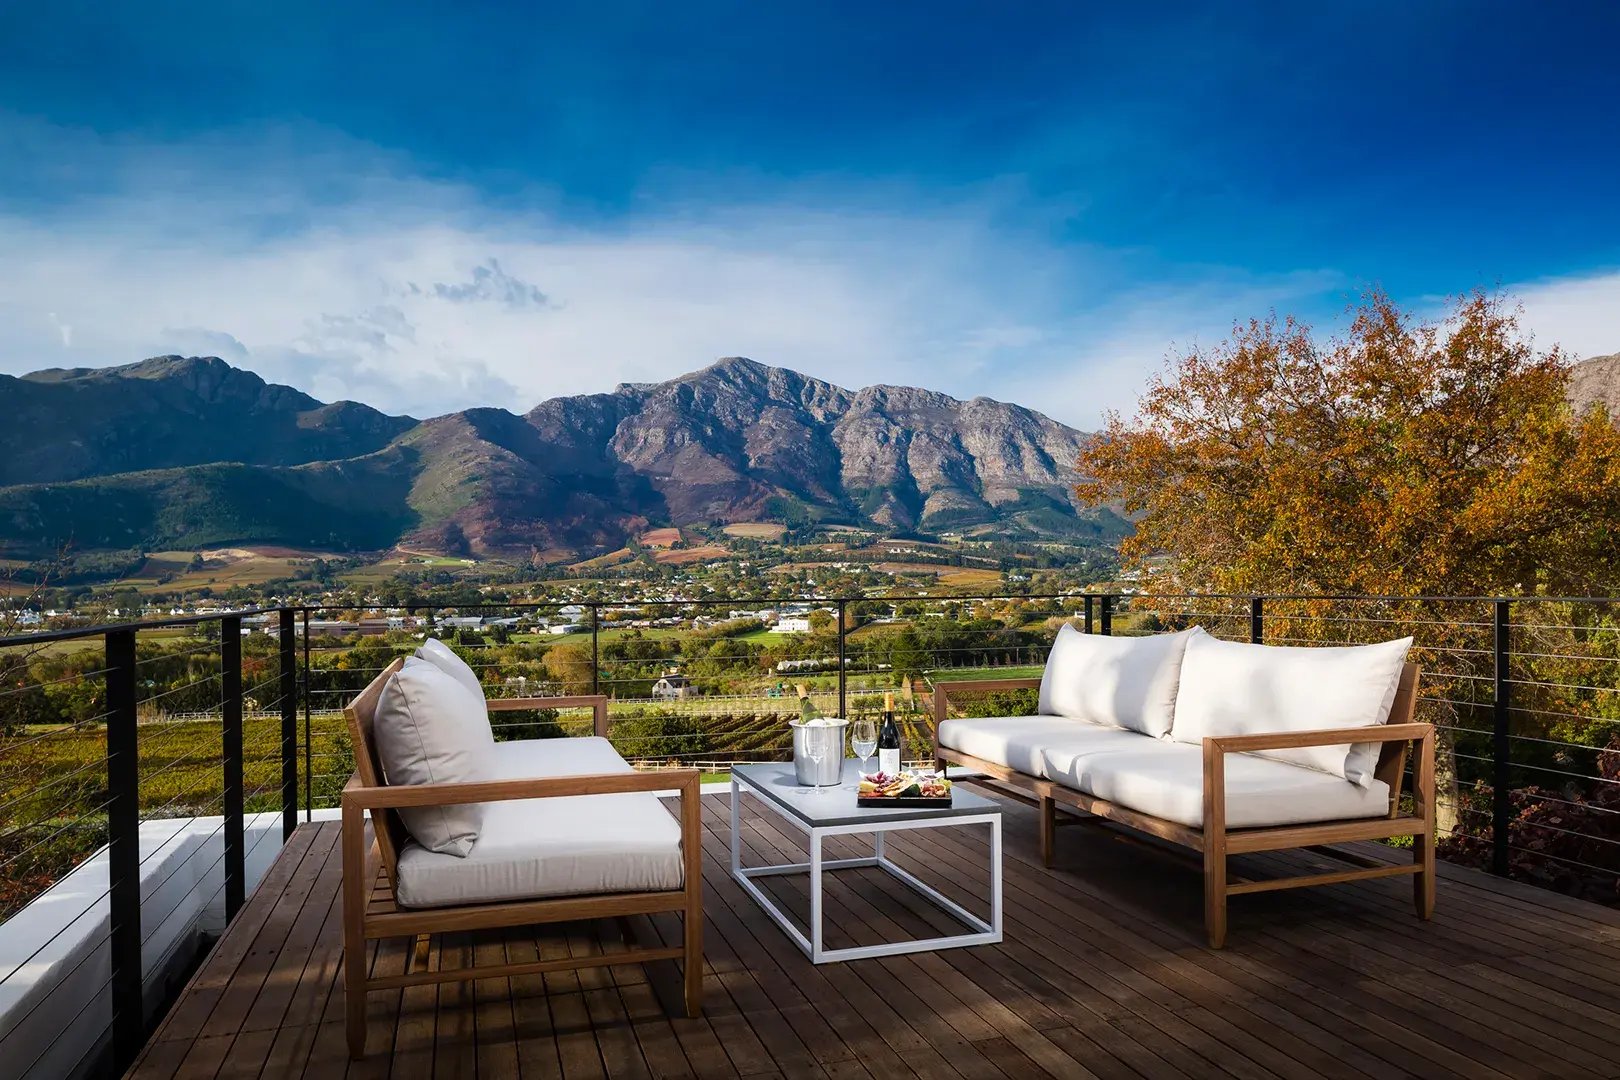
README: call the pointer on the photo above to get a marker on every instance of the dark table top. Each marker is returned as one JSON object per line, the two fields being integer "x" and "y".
{"x": 826, "y": 806}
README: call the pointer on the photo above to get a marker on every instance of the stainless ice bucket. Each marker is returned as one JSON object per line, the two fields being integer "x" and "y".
{"x": 831, "y": 769}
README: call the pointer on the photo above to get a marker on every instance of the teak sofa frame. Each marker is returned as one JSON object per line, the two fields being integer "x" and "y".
{"x": 1216, "y": 841}
{"x": 370, "y": 908}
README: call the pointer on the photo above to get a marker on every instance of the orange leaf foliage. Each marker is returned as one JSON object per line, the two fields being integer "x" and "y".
{"x": 1404, "y": 458}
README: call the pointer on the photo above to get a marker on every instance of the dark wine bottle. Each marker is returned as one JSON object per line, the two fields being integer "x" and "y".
{"x": 889, "y": 742}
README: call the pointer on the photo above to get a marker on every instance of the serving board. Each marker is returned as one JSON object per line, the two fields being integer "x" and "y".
{"x": 881, "y": 802}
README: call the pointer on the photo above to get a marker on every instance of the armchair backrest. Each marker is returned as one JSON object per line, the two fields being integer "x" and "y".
{"x": 361, "y": 714}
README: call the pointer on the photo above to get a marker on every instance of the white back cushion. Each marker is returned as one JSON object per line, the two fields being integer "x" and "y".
{"x": 430, "y": 729}
{"x": 1232, "y": 688}
{"x": 444, "y": 657}
{"x": 1127, "y": 682}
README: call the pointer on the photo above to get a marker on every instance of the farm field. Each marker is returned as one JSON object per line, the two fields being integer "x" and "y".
{"x": 603, "y": 562}
{"x": 662, "y": 538}
{"x": 751, "y": 530}
{"x": 970, "y": 674}
{"x": 222, "y": 568}
{"x": 685, "y": 556}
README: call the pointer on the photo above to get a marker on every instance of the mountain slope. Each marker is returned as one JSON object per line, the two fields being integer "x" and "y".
{"x": 1596, "y": 381}
{"x": 355, "y": 504}
{"x": 68, "y": 424}
{"x": 215, "y": 455}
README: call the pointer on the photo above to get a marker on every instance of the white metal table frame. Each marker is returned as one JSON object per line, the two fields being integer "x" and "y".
{"x": 982, "y": 932}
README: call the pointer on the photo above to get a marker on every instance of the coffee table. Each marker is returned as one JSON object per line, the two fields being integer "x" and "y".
{"x": 832, "y": 811}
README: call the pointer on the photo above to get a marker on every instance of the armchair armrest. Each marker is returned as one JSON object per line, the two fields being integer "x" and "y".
{"x": 396, "y": 796}
{"x": 598, "y": 704}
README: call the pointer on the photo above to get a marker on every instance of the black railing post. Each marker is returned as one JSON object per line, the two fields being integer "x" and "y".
{"x": 1501, "y": 752}
{"x": 1107, "y": 614}
{"x": 289, "y": 727}
{"x": 124, "y": 849}
{"x": 843, "y": 709}
{"x": 596, "y": 648}
{"x": 230, "y": 681}
{"x": 309, "y": 742}
{"x": 1088, "y": 614}
{"x": 1257, "y": 620}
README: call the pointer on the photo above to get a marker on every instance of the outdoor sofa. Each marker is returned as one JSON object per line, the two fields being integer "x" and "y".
{"x": 470, "y": 834}
{"x": 1219, "y": 746}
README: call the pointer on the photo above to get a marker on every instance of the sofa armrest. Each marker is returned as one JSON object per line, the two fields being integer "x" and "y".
{"x": 598, "y": 704}
{"x": 1216, "y": 747}
{"x": 1293, "y": 740}
{"x": 943, "y": 691}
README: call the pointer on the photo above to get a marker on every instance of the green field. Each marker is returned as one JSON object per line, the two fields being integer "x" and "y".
{"x": 1028, "y": 671}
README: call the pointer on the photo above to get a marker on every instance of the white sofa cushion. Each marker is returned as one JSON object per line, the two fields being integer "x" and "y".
{"x": 430, "y": 729}
{"x": 444, "y": 657}
{"x": 1017, "y": 741}
{"x": 568, "y": 846}
{"x": 1233, "y": 688}
{"x": 1127, "y": 682}
{"x": 1166, "y": 779}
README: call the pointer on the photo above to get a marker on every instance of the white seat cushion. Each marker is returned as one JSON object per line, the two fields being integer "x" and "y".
{"x": 569, "y": 846}
{"x": 1127, "y": 682}
{"x": 1017, "y": 741}
{"x": 1233, "y": 688}
{"x": 1166, "y": 779}
{"x": 430, "y": 729}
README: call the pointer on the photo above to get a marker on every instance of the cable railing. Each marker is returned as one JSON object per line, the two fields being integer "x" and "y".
{"x": 215, "y": 722}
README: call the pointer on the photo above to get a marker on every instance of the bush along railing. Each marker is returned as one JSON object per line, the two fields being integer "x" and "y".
{"x": 128, "y": 743}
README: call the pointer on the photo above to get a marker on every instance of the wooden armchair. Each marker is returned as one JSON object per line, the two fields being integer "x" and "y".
{"x": 370, "y": 868}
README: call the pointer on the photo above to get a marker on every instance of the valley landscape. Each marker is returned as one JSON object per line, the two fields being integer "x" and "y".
{"x": 185, "y": 453}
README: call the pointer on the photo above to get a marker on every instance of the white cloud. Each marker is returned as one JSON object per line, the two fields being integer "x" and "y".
{"x": 417, "y": 297}
{"x": 1580, "y": 314}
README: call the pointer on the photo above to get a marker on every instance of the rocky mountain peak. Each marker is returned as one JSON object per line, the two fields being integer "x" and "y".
{"x": 1596, "y": 380}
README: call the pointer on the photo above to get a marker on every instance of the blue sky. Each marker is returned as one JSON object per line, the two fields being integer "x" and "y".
{"x": 433, "y": 206}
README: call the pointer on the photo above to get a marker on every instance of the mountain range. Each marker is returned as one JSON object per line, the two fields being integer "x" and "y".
{"x": 186, "y": 452}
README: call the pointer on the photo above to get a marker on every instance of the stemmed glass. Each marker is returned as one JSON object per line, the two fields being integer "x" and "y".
{"x": 815, "y": 748}
{"x": 863, "y": 738}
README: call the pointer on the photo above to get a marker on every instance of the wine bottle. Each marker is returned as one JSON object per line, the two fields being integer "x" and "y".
{"x": 807, "y": 708}
{"x": 889, "y": 741}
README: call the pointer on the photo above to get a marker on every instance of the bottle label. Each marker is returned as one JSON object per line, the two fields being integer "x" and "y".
{"x": 889, "y": 762}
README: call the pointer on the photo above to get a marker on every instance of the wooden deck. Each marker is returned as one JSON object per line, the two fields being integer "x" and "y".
{"x": 1102, "y": 973}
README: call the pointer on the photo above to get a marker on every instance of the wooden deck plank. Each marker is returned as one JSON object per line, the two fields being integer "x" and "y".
{"x": 1102, "y": 974}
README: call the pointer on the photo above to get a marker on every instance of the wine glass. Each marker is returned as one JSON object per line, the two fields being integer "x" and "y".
{"x": 815, "y": 748}
{"x": 863, "y": 738}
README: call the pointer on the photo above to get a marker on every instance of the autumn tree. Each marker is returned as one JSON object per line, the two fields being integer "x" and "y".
{"x": 570, "y": 666}
{"x": 1402, "y": 458}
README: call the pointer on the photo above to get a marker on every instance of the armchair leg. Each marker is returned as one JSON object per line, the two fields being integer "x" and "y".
{"x": 692, "y": 962}
{"x": 692, "y": 920}
{"x": 354, "y": 938}
{"x": 1048, "y": 828}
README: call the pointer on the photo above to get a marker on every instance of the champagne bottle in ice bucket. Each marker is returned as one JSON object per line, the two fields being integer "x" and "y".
{"x": 807, "y": 708}
{"x": 818, "y": 745}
